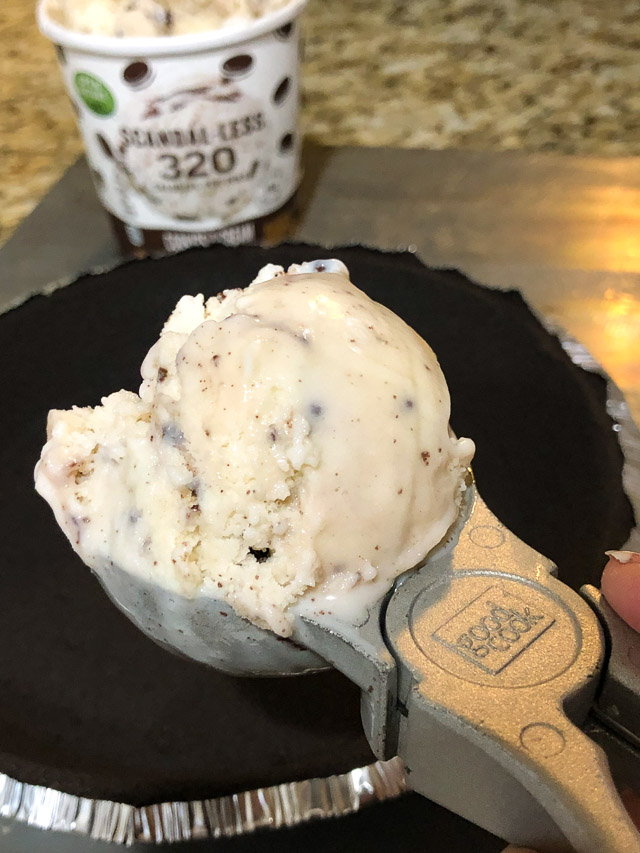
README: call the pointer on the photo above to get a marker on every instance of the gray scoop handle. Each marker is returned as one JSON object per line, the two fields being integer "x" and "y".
{"x": 487, "y": 668}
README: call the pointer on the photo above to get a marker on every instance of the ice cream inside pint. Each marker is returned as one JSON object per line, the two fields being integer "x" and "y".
{"x": 129, "y": 18}
{"x": 289, "y": 440}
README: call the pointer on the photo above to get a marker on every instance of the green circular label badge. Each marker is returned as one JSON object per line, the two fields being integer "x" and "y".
{"x": 94, "y": 93}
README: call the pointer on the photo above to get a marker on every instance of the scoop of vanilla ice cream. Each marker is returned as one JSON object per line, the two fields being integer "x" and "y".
{"x": 130, "y": 18}
{"x": 289, "y": 440}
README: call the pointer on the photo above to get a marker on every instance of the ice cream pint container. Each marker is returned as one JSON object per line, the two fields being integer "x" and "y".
{"x": 191, "y": 139}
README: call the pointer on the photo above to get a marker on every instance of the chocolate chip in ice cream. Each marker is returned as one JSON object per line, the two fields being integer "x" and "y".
{"x": 261, "y": 554}
{"x": 173, "y": 435}
{"x": 238, "y": 66}
{"x": 282, "y": 90}
{"x": 137, "y": 73}
{"x": 286, "y": 143}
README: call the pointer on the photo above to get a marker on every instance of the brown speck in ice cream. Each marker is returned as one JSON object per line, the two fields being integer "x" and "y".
{"x": 425, "y": 456}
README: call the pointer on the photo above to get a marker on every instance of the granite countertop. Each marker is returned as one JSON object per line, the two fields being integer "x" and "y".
{"x": 481, "y": 74}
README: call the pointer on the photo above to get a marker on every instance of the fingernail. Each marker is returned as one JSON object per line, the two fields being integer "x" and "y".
{"x": 624, "y": 556}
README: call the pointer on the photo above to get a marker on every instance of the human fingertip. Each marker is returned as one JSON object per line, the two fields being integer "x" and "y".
{"x": 621, "y": 585}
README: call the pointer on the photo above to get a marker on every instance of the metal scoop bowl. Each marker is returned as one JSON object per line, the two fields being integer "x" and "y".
{"x": 205, "y": 629}
{"x": 478, "y": 669}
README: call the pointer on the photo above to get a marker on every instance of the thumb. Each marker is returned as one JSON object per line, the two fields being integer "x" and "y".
{"x": 621, "y": 585}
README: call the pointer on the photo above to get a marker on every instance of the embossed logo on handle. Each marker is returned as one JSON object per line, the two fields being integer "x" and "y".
{"x": 493, "y": 629}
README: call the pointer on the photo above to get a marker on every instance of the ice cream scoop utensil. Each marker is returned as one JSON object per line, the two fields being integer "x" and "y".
{"x": 488, "y": 676}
